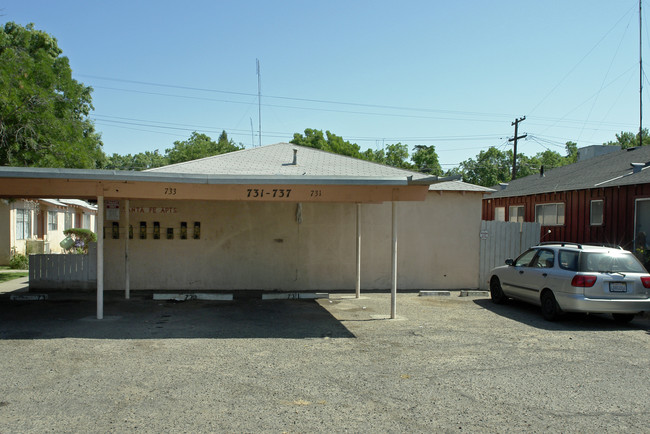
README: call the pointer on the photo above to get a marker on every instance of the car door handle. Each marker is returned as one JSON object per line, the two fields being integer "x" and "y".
{"x": 545, "y": 274}
{"x": 521, "y": 271}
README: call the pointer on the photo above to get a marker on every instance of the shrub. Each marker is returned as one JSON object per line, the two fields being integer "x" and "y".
{"x": 82, "y": 238}
{"x": 19, "y": 262}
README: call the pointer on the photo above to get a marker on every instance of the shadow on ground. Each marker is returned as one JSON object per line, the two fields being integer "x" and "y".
{"x": 150, "y": 319}
{"x": 531, "y": 315}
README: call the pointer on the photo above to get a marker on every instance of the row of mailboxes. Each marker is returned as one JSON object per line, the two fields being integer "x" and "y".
{"x": 156, "y": 233}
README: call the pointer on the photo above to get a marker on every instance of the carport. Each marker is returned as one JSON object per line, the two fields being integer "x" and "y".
{"x": 102, "y": 185}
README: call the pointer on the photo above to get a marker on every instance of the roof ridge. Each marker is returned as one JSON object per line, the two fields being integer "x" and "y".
{"x": 212, "y": 156}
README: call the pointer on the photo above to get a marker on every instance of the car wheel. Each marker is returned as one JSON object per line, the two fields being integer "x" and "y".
{"x": 550, "y": 309}
{"x": 496, "y": 292}
{"x": 623, "y": 318}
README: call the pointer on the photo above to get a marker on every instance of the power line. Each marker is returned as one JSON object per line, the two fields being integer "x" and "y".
{"x": 312, "y": 100}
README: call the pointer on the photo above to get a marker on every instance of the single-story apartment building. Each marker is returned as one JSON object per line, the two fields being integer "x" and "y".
{"x": 278, "y": 217}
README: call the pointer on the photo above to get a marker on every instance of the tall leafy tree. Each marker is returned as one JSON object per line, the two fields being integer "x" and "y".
{"x": 199, "y": 146}
{"x": 43, "y": 110}
{"x": 571, "y": 152}
{"x": 489, "y": 168}
{"x": 629, "y": 140}
{"x": 140, "y": 161}
{"x": 327, "y": 142}
{"x": 426, "y": 160}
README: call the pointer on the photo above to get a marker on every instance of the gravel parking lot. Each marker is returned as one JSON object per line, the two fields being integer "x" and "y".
{"x": 447, "y": 364}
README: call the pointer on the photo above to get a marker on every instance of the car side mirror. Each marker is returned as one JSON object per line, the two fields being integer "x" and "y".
{"x": 510, "y": 262}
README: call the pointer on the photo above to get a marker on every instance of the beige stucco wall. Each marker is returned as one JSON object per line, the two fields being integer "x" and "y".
{"x": 5, "y": 232}
{"x": 248, "y": 245}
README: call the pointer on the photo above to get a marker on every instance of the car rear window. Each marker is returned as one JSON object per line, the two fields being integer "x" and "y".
{"x": 568, "y": 260}
{"x": 616, "y": 261}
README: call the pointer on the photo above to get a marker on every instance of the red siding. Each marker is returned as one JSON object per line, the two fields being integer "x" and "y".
{"x": 618, "y": 213}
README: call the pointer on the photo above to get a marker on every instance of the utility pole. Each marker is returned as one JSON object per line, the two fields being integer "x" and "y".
{"x": 514, "y": 139}
{"x": 640, "y": 84}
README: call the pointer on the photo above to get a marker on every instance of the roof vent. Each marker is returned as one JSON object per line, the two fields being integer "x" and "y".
{"x": 295, "y": 157}
{"x": 503, "y": 185}
{"x": 541, "y": 171}
{"x": 637, "y": 167}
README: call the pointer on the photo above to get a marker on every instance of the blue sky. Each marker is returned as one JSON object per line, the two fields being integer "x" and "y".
{"x": 450, "y": 74}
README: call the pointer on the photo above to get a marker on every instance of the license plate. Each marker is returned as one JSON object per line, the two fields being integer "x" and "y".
{"x": 617, "y": 287}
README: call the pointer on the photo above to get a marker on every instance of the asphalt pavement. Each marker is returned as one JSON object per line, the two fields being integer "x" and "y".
{"x": 446, "y": 364}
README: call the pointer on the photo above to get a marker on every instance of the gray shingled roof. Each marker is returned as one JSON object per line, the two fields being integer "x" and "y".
{"x": 459, "y": 186}
{"x": 604, "y": 171}
{"x": 277, "y": 159}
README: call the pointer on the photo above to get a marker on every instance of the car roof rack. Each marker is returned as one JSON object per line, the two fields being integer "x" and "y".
{"x": 560, "y": 243}
{"x": 579, "y": 245}
{"x": 611, "y": 246}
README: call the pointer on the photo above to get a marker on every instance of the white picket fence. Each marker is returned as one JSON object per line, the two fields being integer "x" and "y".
{"x": 503, "y": 240}
{"x": 64, "y": 271}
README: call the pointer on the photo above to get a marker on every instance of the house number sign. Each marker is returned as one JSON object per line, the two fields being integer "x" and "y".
{"x": 261, "y": 193}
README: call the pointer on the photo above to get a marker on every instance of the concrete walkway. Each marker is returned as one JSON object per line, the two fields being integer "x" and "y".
{"x": 15, "y": 285}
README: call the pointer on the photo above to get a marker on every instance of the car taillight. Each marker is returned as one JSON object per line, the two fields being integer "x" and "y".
{"x": 584, "y": 281}
{"x": 646, "y": 281}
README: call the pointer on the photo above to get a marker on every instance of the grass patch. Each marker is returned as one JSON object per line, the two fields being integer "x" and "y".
{"x": 4, "y": 277}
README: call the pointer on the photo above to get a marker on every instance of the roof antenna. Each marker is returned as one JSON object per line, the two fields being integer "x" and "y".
{"x": 259, "y": 100}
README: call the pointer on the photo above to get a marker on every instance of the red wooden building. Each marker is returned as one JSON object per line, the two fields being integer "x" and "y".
{"x": 599, "y": 200}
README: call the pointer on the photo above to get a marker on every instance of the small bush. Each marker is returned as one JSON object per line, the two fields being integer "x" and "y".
{"x": 82, "y": 238}
{"x": 19, "y": 262}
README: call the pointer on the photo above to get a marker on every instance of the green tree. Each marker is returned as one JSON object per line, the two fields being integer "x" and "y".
{"x": 327, "y": 142}
{"x": 490, "y": 168}
{"x": 629, "y": 140}
{"x": 397, "y": 156}
{"x": 199, "y": 146}
{"x": 43, "y": 110}
{"x": 377, "y": 156}
{"x": 426, "y": 159}
{"x": 571, "y": 152}
{"x": 140, "y": 161}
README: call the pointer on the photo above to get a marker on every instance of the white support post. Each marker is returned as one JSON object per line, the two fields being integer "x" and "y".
{"x": 100, "y": 257}
{"x": 358, "y": 286}
{"x": 393, "y": 290}
{"x": 127, "y": 276}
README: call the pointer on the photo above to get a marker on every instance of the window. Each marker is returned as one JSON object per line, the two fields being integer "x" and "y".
{"x": 52, "y": 220}
{"x": 568, "y": 260}
{"x": 23, "y": 224}
{"x": 86, "y": 223}
{"x": 550, "y": 214}
{"x": 516, "y": 213}
{"x": 545, "y": 259}
{"x": 525, "y": 258}
{"x": 500, "y": 214}
{"x": 596, "y": 214}
{"x": 67, "y": 223}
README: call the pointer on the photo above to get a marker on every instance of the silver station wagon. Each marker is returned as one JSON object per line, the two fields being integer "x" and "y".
{"x": 565, "y": 277}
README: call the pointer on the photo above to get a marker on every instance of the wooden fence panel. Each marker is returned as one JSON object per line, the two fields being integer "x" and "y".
{"x": 503, "y": 240}
{"x": 58, "y": 271}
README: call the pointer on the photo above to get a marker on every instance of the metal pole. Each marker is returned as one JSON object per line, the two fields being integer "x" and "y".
{"x": 127, "y": 274}
{"x": 100, "y": 257}
{"x": 640, "y": 81}
{"x": 393, "y": 291}
{"x": 358, "y": 287}
{"x": 259, "y": 101}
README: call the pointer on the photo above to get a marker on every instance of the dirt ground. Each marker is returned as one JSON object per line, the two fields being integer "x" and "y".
{"x": 446, "y": 364}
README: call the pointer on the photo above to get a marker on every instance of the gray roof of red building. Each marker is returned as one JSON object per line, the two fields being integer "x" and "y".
{"x": 610, "y": 170}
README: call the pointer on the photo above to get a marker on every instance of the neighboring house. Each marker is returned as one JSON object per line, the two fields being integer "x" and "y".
{"x": 604, "y": 198}
{"x": 36, "y": 226}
